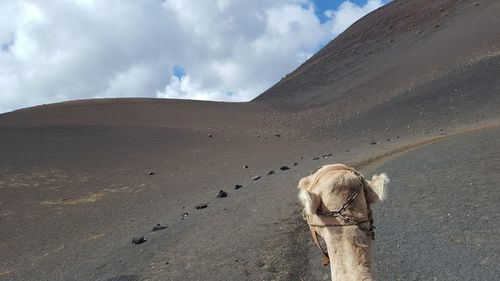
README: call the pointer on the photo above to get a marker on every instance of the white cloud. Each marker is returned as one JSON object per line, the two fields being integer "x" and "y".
{"x": 347, "y": 13}
{"x": 54, "y": 50}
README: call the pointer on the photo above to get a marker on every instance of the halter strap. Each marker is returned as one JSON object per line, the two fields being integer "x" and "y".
{"x": 326, "y": 259}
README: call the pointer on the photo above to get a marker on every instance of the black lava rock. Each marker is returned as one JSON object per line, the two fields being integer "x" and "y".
{"x": 238, "y": 186}
{"x": 150, "y": 173}
{"x": 221, "y": 194}
{"x": 158, "y": 227}
{"x": 270, "y": 173}
{"x": 201, "y": 206}
{"x": 139, "y": 240}
{"x": 283, "y": 168}
{"x": 256, "y": 178}
{"x": 316, "y": 158}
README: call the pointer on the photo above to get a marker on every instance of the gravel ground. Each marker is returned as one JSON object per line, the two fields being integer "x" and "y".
{"x": 441, "y": 218}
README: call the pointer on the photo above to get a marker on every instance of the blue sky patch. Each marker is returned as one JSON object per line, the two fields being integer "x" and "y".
{"x": 178, "y": 71}
{"x": 5, "y": 47}
{"x": 323, "y": 5}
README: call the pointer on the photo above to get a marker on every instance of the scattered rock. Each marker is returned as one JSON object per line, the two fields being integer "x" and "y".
{"x": 158, "y": 227}
{"x": 245, "y": 166}
{"x": 256, "y": 178}
{"x": 295, "y": 164}
{"x": 373, "y": 142}
{"x": 278, "y": 135}
{"x": 327, "y": 155}
{"x": 221, "y": 194}
{"x": 238, "y": 186}
{"x": 201, "y": 206}
{"x": 184, "y": 215}
{"x": 316, "y": 158}
{"x": 397, "y": 137}
{"x": 139, "y": 240}
{"x": 270, "y": 173}
{"x": 150, "y": 173}
{"x": 284, "y": 168}
{"x": 477, "y": 4}
{"x": 437, "y": 25}
{"x": 388, "y": 139}
{"x": 440, "y": 129}
{"x": 210, "y": 135}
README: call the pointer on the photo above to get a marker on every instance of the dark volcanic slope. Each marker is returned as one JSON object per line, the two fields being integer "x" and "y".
{"x": 412, "y": 89}
{"x": 393, "y": 49}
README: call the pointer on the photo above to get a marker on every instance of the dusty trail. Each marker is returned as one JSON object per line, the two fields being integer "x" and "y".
{"x": 398, "y": 151}
{"x": 414, "y": 209}
{"x": 440, "y": 220}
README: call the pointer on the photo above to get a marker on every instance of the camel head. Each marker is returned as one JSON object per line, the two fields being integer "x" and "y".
{"x": 336, "y": 200}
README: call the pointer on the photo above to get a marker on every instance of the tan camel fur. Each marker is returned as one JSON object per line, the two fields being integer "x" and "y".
{"x": 348, "y": 246}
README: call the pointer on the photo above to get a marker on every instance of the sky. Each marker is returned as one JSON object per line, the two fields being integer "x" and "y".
{"x": 219, "y": 50}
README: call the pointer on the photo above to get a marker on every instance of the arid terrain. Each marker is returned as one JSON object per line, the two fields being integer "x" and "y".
{"x": 412, "y": 89}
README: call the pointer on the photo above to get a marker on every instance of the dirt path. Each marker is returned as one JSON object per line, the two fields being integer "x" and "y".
{"x": 440, "y": 220}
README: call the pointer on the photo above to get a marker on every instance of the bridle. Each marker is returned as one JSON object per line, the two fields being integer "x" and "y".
{"x": 340, "y": 213}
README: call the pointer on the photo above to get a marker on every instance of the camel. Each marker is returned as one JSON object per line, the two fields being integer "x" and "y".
{"x": 336, "y": 200}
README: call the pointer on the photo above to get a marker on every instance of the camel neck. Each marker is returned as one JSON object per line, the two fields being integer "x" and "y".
{"x": 349, "y": 262}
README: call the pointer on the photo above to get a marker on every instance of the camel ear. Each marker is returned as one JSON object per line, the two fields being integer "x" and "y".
{"x": 304, "y": 183}
{"x": 378, "y": 185}
{"x": 310, "y": 201}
